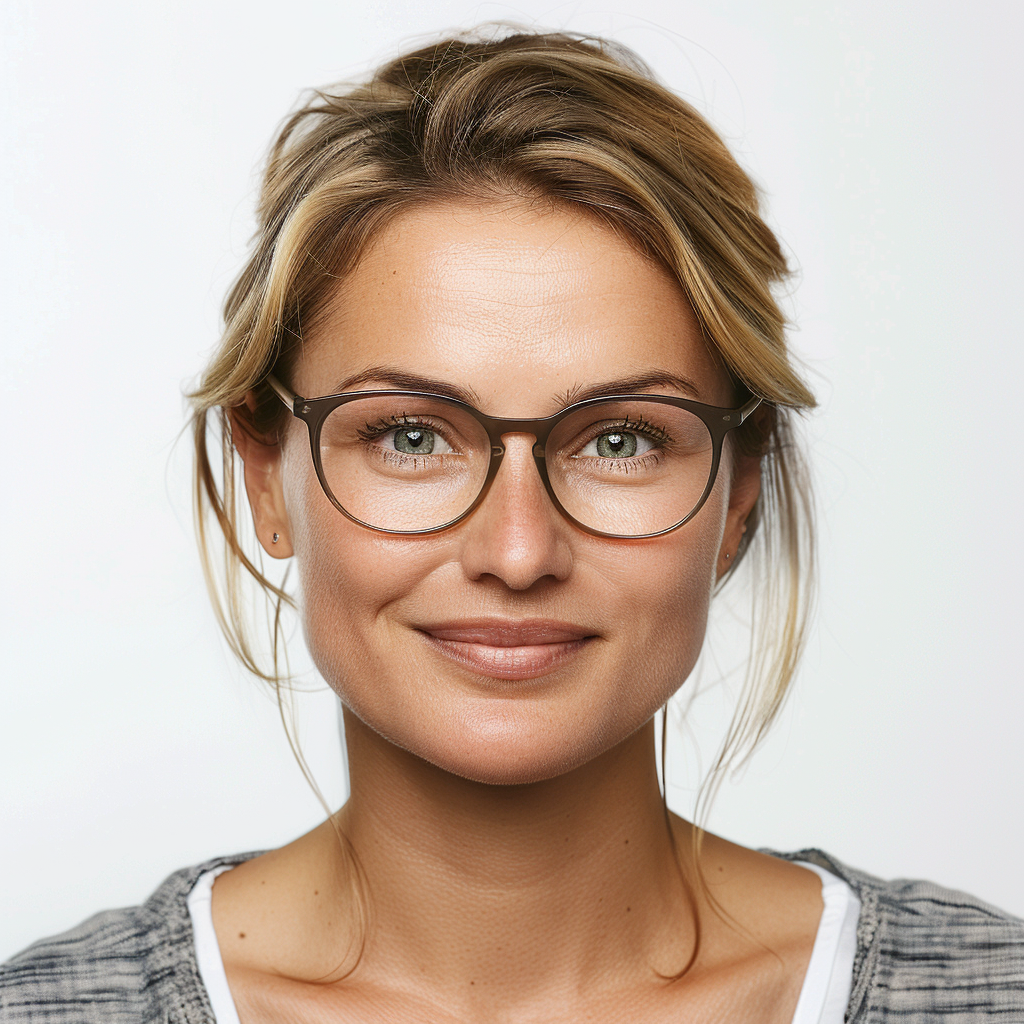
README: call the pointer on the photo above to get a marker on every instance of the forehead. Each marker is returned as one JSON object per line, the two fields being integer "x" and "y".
{"x": 521, "y": 306}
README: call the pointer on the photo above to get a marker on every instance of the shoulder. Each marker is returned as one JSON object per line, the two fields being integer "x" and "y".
{"x": 928, "y": 953}
{"x": 120, "y": 966}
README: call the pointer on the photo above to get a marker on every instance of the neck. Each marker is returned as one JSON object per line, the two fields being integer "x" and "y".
{"x": 570, "y": 882}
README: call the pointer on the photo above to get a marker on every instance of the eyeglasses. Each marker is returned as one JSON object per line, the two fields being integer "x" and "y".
{"x": 410, "y": 462}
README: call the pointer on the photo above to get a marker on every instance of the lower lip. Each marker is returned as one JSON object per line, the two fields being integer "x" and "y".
{"x": 509, "y": 662}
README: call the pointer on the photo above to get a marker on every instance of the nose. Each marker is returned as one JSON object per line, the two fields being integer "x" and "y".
{"x": 517, "y": 535}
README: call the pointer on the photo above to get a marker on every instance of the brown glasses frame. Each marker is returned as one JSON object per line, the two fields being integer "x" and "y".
{"x": 314, "y": 411}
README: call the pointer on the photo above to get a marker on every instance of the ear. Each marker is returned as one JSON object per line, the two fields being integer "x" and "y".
{"x": 744, "y": 490}
{"x": 261, "y": 457}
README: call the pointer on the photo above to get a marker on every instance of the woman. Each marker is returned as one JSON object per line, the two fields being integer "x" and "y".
{"x": 508, "y": 384}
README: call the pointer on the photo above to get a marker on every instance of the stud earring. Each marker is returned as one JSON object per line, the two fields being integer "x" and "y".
{"x": 727, "y": 555}
{"x": 275, "y": 539}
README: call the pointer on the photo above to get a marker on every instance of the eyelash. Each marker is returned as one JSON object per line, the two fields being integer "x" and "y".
{"x": 645, "y": 427}
{"x": 374, "y": 430}
{"x": 658, "y": 436}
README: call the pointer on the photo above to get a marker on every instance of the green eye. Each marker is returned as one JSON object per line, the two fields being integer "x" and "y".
{"x": 616, "y": 445}
{"x": 414, "y": 440}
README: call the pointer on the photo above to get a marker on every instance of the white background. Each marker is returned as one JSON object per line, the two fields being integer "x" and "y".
{"x": 887, "y": 138}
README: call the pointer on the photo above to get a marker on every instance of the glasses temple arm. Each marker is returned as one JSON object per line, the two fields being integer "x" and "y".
{"x": 288, "y": 397}
{"x": 746, "y": 409}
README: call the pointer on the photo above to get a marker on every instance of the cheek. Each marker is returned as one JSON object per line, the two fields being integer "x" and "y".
{"x": 348, "y": 576}
{"x": 662, "y": 593}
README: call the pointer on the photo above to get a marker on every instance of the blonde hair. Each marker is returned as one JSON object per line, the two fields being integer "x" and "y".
{"x": 545, "y": 117}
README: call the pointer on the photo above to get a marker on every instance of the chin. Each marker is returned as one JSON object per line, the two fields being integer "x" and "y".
{"x": 509, "y": 768}
{"x": 512, "y": 749}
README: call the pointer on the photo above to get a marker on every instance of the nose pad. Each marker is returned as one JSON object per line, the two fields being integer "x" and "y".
{"x": 538, "y": 449}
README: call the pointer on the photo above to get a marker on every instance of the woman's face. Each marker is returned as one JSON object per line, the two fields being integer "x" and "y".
{"x": 514, "y": 646}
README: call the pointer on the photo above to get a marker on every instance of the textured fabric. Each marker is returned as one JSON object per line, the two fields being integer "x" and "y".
{"x": 119, "y": 967}
{"x": 925, "y": 955}
{"x": 929, "y": 954}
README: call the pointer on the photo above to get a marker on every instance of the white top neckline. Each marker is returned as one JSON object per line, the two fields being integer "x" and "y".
{"x": 823, "y": 996}
{"x": 825, "y": 993}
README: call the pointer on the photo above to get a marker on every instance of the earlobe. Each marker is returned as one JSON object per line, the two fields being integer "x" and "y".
{"x": 261, "y": 460}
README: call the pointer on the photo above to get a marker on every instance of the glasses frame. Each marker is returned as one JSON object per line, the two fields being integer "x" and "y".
{"x": 314, "y": 411}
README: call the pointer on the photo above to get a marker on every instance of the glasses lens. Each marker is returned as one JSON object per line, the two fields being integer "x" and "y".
{"x": 630, "y": 468}
{"x": 403, "y": 463}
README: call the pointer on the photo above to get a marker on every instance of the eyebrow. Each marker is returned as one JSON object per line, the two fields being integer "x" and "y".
{"x": 403, "y": 380}
{"x": 630, "y": 385}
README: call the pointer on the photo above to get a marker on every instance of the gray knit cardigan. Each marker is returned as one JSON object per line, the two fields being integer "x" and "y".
{"x": 924, "y": 953}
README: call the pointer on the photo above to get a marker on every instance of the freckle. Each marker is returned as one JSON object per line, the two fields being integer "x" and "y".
{"x": 316, "y": 892}
{"x": 241, "y": 935}
{"x": 472, "y": 983}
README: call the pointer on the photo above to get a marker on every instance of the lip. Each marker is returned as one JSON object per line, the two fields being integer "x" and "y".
{"x": 508, "y": 649}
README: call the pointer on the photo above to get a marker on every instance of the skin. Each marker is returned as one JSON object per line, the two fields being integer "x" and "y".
{"x": 512, "y": 833}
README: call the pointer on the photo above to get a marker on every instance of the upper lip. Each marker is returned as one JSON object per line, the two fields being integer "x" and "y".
{"x": 507, "y": 632}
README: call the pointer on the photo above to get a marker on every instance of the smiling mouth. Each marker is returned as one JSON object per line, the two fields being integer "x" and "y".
{"x": 503, "y": 649}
